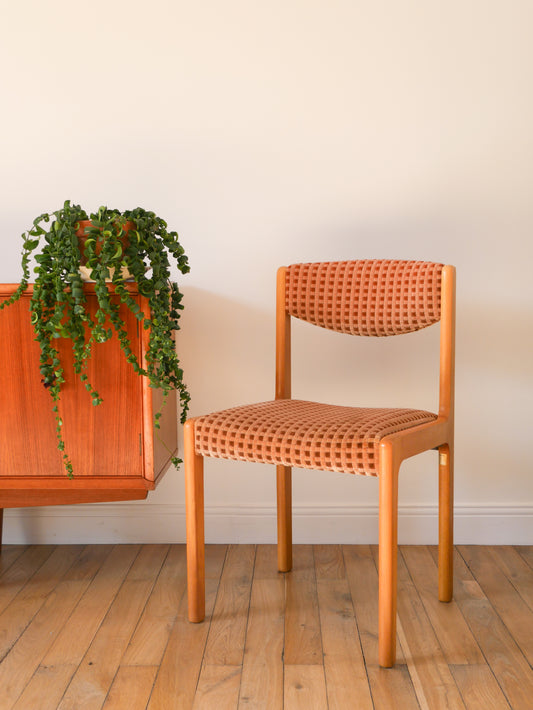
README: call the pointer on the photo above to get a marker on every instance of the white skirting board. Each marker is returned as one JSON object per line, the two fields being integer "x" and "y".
{"x": 165, "y": 523}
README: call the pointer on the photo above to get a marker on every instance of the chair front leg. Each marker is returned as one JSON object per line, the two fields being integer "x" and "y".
{"x": 284, "y": 497}
{"x": 388, "y": 556}
{"x": 446, "y": 522}
{"x": 194, "y": 508}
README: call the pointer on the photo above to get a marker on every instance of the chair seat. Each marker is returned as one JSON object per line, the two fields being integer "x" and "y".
{"x": 303, "y": 434}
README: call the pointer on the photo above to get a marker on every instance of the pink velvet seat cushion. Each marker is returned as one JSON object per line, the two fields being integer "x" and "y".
{"x": 303, "y": 434}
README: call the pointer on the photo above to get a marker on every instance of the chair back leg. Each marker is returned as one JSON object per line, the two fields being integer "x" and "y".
{"x": 194, "y": 504}
{"x": 284, "y": 494}
{"x": 446, "y": 522}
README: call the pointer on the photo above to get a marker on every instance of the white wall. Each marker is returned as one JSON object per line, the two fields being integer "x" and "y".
{"x": 268, "y": 133}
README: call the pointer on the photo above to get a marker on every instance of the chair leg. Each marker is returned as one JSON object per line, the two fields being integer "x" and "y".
{"x": 388, "y": 558}
{"x": 284, "y": 491}
{"x": 1, "y": 526}
{"x": 194, "y": 504}
{"x": 445, "y": 523}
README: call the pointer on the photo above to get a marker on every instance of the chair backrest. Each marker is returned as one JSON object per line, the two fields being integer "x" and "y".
{"x": 366, "y": 297}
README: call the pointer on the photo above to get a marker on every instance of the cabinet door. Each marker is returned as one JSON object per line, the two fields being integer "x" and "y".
{"x": 102, "y": 441}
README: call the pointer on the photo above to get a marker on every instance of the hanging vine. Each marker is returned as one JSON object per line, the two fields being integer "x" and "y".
{"x": 117, "y": 247}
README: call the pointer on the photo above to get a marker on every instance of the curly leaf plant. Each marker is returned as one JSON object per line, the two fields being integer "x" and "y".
{"x": 134, "y": 244}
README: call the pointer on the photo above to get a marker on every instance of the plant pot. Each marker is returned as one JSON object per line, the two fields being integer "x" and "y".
{"x": 82, "y": 235}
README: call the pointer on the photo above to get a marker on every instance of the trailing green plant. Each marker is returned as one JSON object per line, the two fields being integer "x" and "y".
{"x": 119, "y": 246}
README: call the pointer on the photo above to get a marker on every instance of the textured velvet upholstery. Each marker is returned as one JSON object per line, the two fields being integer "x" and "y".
{"x": 368, "y": 297}
{"x": 303, "y": 434}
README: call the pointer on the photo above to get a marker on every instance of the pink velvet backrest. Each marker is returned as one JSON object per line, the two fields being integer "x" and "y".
{"x": 365, "y": 297}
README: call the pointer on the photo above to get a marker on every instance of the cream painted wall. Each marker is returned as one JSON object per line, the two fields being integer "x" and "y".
{"x": 269, "y": 133}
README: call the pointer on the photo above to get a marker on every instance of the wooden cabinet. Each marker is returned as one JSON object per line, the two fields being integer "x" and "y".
{"x": 115, "y": 452}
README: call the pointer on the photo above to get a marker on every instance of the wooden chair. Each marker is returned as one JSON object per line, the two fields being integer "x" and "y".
{"x": 374, "y": 298}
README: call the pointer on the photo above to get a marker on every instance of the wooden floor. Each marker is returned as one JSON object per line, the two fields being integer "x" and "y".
{"x": 103, "y": 626}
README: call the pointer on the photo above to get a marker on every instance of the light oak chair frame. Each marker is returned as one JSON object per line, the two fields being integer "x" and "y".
{"x": 393, "y": 450}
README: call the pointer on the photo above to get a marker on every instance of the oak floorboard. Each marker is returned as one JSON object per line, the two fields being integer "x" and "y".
{"x": 27, "y": 652}
{"x": 526, "y": 552}
{"x": 26, "y": 604}
{"x": 176, "y": 682}
{"x": 305, "y": 687}
{"x": 344, "y": 665}
{"x": 266, "y": 563}
{"x": 21, "y": 571}
{"x": 46, "y": 688}
{"x": 91, "y": 683}
{"x": 151, "y": 636}
{"x": 220, "y": 675}
{"x": 227, "y": 632}
{"x": 64, "y": 656}
{"x": 391, "y": 688}
{"x": 516, "y": 569}
{"x": 434, "y": 684}
{"x": 262, "y": 672}
{"x": 8, "y": 555}
{"x": 92, "y": 608}
{"x": 329, "y": 562}
{"x": 506, "y": 660}
{"x": 479, "y": 688}
{"x": 107, "y": 627}
{"x": 131, "y": 688}
{"x": 303, "y": 645}
{"x": 505, "y": 600}
{"x": 218, "y": 688}
{"x": 455, "y": 638}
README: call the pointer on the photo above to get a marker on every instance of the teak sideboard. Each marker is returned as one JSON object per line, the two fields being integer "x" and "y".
{"x": 115, "y": 451}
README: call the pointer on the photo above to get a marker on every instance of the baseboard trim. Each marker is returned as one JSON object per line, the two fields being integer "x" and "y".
{"x": 145, "y": 522}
